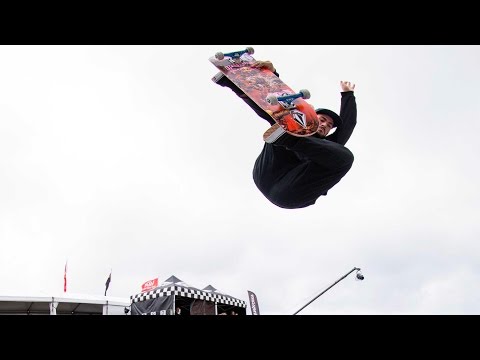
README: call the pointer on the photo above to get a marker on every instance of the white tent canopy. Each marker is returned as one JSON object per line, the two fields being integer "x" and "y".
{"x": 67, "y": 304}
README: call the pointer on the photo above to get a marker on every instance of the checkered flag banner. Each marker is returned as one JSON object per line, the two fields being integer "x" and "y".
{"x": 190, "y": 293}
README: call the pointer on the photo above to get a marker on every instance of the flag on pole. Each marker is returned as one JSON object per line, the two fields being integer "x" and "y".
{"x": 65, "y": 278}
{"x": 253, "y": 303}
{"x": 107, "y": 284}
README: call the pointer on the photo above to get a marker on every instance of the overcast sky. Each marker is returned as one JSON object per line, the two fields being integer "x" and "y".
{"x": 130, "y": 158}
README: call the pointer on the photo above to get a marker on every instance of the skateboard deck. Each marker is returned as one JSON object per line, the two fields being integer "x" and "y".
{"x": 287, "y": 108}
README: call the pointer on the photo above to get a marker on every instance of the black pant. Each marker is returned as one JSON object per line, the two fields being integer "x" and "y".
{"x": 295, "y": 173}
{"x": 296, "y": 176}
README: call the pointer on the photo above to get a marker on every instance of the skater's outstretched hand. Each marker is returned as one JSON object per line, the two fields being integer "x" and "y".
{"x": 264, "y": 64}
{"x": 347, "y": 86}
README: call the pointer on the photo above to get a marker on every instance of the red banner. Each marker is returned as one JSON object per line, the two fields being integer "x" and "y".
{"x": 149, "y": 285}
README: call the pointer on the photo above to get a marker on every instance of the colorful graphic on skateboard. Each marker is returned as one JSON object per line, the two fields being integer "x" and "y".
{"x": 289, "y": 109}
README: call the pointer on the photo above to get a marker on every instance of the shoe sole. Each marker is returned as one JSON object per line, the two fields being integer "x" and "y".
{"x": 273, "y": 133}
{"x": 217, "y": 77}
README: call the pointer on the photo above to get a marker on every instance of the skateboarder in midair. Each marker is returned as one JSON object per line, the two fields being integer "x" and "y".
{"x": 293, "y": 172}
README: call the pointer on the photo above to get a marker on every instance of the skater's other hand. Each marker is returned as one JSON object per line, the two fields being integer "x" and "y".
{"x": 264, "y": 64}
{"x": 347, "y": 86}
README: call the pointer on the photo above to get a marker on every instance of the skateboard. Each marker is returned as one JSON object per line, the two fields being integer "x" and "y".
{"x": 287, "y": 108}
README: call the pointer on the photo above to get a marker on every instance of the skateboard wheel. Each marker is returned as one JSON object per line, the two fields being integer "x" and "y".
{"x": 272, "y": 99}
{"x": 250, "y": 50}
{"x": 219, "y": 55}
{"x": 305, "y": 93}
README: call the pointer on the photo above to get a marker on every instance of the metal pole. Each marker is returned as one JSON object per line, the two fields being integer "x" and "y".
{"x": 324, "y": 291}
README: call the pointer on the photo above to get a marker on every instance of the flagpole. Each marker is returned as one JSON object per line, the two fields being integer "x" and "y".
{"x": 324, "y": 291}
{"x": 65, "y": 277}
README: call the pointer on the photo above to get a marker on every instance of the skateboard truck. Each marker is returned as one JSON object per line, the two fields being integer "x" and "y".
{"x": 235, "y": 54}
{"x": 286, "y": 100}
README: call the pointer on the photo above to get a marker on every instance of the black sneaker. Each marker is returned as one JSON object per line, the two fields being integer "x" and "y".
{"x": 224, "y": 81}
